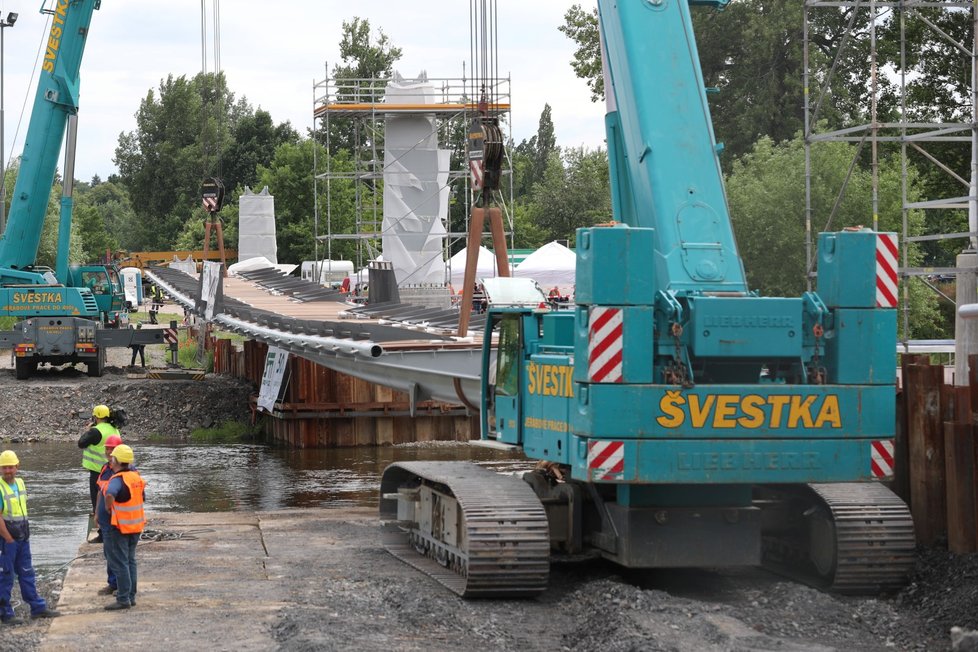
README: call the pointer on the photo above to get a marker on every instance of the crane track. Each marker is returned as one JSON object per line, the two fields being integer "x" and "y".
{"x": 505, "y": 548}
{"x": 861, "y": 540}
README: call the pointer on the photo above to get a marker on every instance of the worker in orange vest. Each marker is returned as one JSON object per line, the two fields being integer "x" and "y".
{"x": 123, "y": 497}
{"x": 102, "y": 516}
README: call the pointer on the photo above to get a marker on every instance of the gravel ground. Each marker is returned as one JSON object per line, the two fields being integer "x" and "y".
{"x": 356, "y": 596}
{"x": 372, "y": 601}
{"x": 61, "y": 400}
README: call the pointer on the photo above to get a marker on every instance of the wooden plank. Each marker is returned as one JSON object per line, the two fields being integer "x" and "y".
{"x": 959, "y": 460}
{"x": 926, "y": 448}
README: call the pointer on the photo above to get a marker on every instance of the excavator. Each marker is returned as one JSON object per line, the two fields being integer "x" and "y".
{"x": 59, "y": 317}
{"x": 677, "y": 418}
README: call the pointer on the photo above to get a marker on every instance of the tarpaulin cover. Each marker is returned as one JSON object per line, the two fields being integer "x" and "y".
{"x": 415, "y": 187}
{"x": 256, "y": 225}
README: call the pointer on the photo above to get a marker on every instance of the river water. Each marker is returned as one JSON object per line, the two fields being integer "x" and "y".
{"x": 193, "y": 478}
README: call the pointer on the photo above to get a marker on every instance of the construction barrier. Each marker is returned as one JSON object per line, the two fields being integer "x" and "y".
{"x": 936, "y": 453}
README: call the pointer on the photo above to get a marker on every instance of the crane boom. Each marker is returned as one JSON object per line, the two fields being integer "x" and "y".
{"x": 664, "y": 157}
{"x": 55, "y": 100}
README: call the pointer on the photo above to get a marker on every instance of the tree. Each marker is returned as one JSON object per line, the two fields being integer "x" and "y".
{"x": 531, "y": 157}
{"x": 573, "y": 193}
{"x": 582, "y": 27}
{"x": 110, "y": 201}
{"x": 362, "y": 57}
{"x": 751, "y": 51}
{"x": 366, "y": 63}
{"x": 766, "y": 192}
{"x": 255, "y": 138}
{"x": 95, "y": 239}
{"x": 184, "y": 134}
{"x": 289, "y": 178}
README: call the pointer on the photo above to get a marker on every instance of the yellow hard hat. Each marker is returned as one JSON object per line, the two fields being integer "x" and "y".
{"x": 100, "y": 411}
{"x": 9, "y": 458}
{"x": 121, "y": 453}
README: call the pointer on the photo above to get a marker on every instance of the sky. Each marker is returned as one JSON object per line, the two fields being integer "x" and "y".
{"x": 273, "y": 53}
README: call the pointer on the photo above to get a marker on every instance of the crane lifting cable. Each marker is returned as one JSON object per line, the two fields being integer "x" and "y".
{"x": 212, "y": 188}
{"x": 485, "y": 149}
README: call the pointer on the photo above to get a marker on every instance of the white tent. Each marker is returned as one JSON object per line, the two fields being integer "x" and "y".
{"x": 485, "y": 267}
{"x": 550, "y": 265}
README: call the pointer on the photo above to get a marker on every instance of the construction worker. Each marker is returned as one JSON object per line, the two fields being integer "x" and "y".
{"x": 124, "y": 501}
{"x": 93, "y": 456}
{"x": 15, "y": 548}
{"x": 156, "y": 304}
{"x": 102, "y": 515}
{"x": 139, "y": 349}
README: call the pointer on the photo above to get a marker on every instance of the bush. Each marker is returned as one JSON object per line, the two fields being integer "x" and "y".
{"x": 227, "y": 433}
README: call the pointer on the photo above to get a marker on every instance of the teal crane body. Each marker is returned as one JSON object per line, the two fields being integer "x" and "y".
{"x": 671, "y": 383}
{"x": 55, "y": 101}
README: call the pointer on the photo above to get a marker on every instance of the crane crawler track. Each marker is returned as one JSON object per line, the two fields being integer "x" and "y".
{"x": 861, "y": 540}
{"x": 503, "y": 543}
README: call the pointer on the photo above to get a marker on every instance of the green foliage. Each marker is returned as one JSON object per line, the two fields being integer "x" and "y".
{"x": 187, "y": 354}
{"x": 116, "y": 225}
{"x": 766, "y": 190}
{"x": 227, "y": 433}
{"x": 574, "y": 192}
{"x": 183, "y": 134}
{"x": 752, "y": 52}
{"x": 95, "y": 240}
{"x": 582, "y": 27}
{"x": 289, "y": 177}
{"x": 531, "y": 157}
{"x": 363, "y": 57}
{"x": 368, "y": 59}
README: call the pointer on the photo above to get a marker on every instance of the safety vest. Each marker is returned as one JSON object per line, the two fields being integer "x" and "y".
{"x": 128, "y": 516}
{"x": 14, "y": 501}
{"x": 93, "y": 457}
{"x": 103, "y": 484}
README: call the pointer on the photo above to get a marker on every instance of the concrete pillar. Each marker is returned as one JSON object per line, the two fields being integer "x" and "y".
{"x": 965, "y": 330}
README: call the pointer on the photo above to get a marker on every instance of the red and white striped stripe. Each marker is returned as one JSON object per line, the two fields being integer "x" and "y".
{"x": 886, "y": 270}
{"x": 475, "y": 167}
{"x": 605, "y": 459}
{"x": 210, "y": 204}
{"x": 881, "y": 458}
{"x": 604, "y": 354}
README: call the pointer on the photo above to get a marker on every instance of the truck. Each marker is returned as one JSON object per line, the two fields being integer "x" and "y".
{"x": 677, "y": 418}
{"x": 59, "y": 319}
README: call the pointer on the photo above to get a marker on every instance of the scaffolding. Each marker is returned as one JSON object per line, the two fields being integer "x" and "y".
{"x": 357, "y": 108}
{"x": 911, "y": 137}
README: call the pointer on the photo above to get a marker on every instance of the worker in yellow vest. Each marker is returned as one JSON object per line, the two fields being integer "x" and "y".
{"x": 92, "y": 443}
{"x": 15, "y": 546}
{"x": 124, "y": 501}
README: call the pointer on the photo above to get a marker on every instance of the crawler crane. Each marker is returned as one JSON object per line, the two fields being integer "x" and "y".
{"x": 678, "y": 418}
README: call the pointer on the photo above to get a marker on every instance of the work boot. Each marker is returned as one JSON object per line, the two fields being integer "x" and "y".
{"x": 97, "y": 539}
{"x": 115, "y": 606}
{"x": 108, "y": 589}
{"x": 47, "y": 613}
{"x": 12, "y": 620}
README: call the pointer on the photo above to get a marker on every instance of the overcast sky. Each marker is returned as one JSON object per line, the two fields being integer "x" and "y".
{"x": 272, "y": 52}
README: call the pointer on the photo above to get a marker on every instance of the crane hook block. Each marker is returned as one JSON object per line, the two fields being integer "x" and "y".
{"x": 212, "y": 194}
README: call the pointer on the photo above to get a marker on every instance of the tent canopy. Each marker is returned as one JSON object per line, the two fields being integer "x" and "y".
{"x": 485, "y": 267}
{"x": 551, "y": 265}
